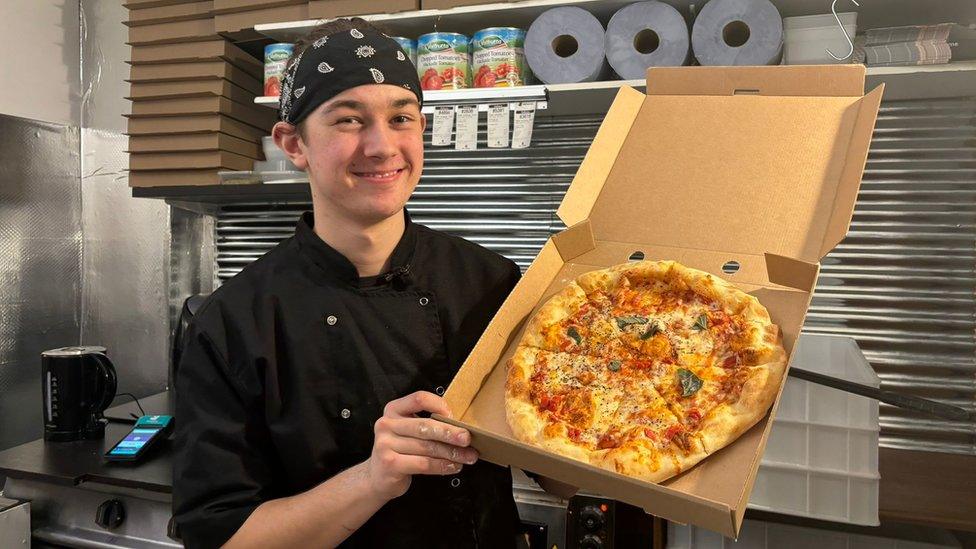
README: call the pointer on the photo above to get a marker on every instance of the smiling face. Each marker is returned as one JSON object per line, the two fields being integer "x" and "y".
{"x": 363, "y": 150}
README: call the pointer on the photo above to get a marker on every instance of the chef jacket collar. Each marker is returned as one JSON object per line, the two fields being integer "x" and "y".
{"x": 337, "y": 266}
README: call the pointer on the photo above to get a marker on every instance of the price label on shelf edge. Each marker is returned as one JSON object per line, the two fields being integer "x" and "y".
{"x": 498, "y": 126}
{"x": 443, "y": 126}
{"x": 466, "y": 134}
{"x": 524, "y": 118}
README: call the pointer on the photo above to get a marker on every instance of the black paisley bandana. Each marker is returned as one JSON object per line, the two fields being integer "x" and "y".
{"x": 339, "y": 61}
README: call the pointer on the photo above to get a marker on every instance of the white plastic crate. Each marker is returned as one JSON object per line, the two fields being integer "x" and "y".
{"x": 821, "y": 459}
{"x": 768, "y": 535}
{"x": 807, "y": 38}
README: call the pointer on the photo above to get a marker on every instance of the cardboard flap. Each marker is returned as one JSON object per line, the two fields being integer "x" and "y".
{"x": 596, "y": 165}
{"x": 805, "y": 80}
{"x": 790, "y": 272}
{"x": 574, "y": 241}
{"x": 850, "y": 179}
{"x": 746, "y": 174}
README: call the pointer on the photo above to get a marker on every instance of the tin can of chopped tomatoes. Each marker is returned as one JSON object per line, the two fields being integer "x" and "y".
{"x": 408, "y": 46}
{"x": 276, "y": 58}
{"x": 498, "y": 58}
{"x": 442, "y": 61}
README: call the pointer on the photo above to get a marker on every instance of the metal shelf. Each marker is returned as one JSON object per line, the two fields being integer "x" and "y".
{"x": 469, "y": 19}
{"x": 226, "y": 194}
{"x": 471, "y": 96}
{"x": 464, "y": 19}
{"x": 956, "y": 79}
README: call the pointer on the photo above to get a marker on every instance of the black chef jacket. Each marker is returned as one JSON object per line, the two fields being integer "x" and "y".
{"x": 287, "y": 366}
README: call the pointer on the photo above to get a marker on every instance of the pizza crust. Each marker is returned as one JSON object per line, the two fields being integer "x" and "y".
{"x": 560, "y": 306}
{"x": 644, "y": 463}
{"x": 725, "y": 425}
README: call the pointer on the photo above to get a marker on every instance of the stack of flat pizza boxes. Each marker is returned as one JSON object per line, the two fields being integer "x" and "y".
{"x": 237, "y": 17}
{"x": 192, "y": 92}
{"x": 756, "y": 165}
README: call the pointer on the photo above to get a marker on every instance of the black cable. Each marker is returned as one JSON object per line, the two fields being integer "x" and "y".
{"x": 136, "y": 401}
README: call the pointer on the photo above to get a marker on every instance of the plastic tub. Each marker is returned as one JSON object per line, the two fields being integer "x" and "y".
{"x": 270, "y": 149}
{"x": 276, "y": 165}
{"x": 821, "y": 459}
{"x": 275, "y": 159}
{"x": 806, "y": 39}
{"x": 817, "y": 22}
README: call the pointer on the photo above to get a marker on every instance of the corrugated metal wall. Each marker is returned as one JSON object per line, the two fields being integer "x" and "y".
{"x": 902, "y": 283}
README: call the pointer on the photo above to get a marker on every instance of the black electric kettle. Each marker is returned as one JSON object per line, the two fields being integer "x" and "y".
{"x": 78, "y": 384}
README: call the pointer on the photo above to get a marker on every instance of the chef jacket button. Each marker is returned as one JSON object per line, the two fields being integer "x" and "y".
{"x": 455, "y": 482}
{"x": 345, "y": 413}
{"x": 439, "y": 390}
{"x": 331, "y": 320}
{"x": 424, "y": 301}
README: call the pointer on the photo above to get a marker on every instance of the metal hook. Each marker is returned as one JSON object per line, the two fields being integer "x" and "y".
{"x": 833, "y": 9}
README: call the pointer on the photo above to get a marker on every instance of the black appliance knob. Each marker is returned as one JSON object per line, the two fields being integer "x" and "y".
{"x": 590, "y": 541}
{"x": 592, "y": 517}
{"x": 110, "y": 514}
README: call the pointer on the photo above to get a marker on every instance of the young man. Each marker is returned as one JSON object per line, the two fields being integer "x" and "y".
{"x": 306, "y": 380}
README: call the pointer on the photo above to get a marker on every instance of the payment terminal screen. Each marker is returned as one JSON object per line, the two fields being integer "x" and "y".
{"x": 132, "y": 442}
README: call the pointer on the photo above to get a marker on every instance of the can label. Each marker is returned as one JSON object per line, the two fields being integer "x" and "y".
{"x": 442, "y": 61}
{"x": 276, "y": 58}
{"x": 498, "y": 58}
{"x": 408, "y": 46}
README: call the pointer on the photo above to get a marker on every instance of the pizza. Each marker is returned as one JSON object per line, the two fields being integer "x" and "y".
{"x": 644, "y": 369}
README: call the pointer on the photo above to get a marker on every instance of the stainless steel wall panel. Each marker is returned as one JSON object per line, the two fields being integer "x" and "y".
{"x": 40, "y": 257}
{"x": 126, "y": 240}
{"x": 192, "y": 265}
{"x": 124, "y": 284}
{"x": 104, "y": 53}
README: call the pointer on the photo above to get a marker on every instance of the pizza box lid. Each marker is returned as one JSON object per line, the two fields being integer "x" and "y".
{"x": 750, "y": 160}
{"x": 758, "y": 164}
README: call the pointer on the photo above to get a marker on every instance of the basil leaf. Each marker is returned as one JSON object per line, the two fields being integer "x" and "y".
{"x": 701, "y": 323}
{"x": 614, "y": 365}
{"x": 574, "y": 334}
{"x": 651, "y": 331}
{"x": 690, "y": 383}
{"x": 625, "y": 321}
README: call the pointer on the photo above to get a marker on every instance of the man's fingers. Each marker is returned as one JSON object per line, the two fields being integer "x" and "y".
{"x": 434, "y": 449}
{"x": 420, "y": 465}
{"x": 428, "y": 429}
{"x": 421, "y": 401}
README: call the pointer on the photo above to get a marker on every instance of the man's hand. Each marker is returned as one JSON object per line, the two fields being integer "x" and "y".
{"x": 407, "y": 445}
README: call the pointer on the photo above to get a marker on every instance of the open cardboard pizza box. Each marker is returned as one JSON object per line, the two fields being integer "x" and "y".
{"x": 756, "y": 165}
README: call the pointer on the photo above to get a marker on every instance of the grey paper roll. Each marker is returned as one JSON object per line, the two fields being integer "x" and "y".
{"x": 565, "y": 45}
{"x": 738, "y": 32}
{"x": 646, "y": 34}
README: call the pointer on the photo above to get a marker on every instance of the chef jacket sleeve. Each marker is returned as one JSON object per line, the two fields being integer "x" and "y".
{"x": 220, "y": 472}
